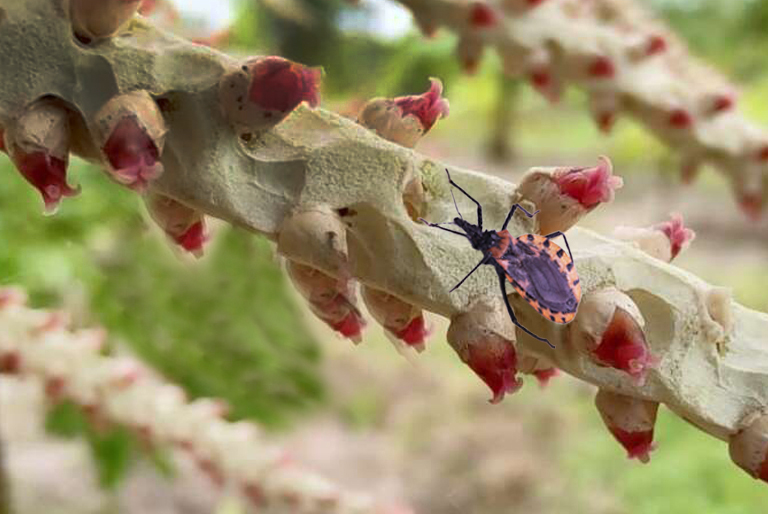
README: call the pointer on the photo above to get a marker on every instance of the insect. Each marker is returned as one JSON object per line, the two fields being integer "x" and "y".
{"x": 539, "y": 270}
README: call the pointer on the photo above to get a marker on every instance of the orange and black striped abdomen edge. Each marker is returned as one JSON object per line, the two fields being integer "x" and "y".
{"x": 534, "y": 254}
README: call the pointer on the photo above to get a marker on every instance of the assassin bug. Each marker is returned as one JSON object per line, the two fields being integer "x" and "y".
{"x": 539, "y": 270}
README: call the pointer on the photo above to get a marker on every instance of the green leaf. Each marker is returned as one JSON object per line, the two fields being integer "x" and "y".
{"x": 65, "y": 419}
{"x": 113, "y": 453}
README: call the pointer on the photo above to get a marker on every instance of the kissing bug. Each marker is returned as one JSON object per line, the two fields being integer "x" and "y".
{"x": 538, "y": 269}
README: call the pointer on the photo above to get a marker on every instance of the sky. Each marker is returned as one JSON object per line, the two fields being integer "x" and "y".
{"x": 218, "y": 13}
{"x": 382, "y": 17}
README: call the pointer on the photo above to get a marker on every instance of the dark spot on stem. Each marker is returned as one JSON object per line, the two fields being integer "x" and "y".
{"x": 164, "y": 104}
{"x": 83, "y": 40}
{"x": 346, "y": 211}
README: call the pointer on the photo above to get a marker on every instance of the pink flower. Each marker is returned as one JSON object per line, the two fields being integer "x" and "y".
{"x": 404, "y": 120}
{"x": 427, "y": 107}
{"x": 589, "y": 186}
{"x": 679, "y": 235}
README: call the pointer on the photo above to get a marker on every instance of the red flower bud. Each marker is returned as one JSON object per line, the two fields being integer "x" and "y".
{"x": 184, "y": 225}
{"x": 38, "y": 143}
{"x": 405, "y": 119}
{"x": 655, "y": 45}
{"x": 609, "y": 328}
{"x": 589, "y": 186}
{"x": 477, "y": 339}
{"x": 331, "y": 302}
{"x": 545, "y": 375}
{"x": 680, "y": 118}
{"x": 400, "y": 319}
{"x": 630, "y": 420}
{"x": 481, "y": 15}
{"x": 602, "y": 67}
{"x": 131, "y": 132}
{"x": 264, "y": 91}
{"x": 10, "y": 362}
{"x": 722, "y": 102}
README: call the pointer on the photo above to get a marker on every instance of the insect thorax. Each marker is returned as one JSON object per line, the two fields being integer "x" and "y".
{"x": 488, "y": 240}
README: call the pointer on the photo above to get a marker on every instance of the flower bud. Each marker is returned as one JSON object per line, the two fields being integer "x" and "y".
{"x": 184, "y": 225}
{"x": 719, "y": 103}
{"x": 604, "y": 107}
{"x": 663, "y": 241}
{"x": 93, "y": 19}
{"x": 265, "y": 90}
{"x": 565, "y": 195}
{"x": 405, "y": 120}
{"x": 630, "y": 420}
{"x": 542, "y": 74}
{"x": 750, "y": 193}
{"x": 655, "y": 44}
{"x": 470, "y": 51}
{"x": 601, "y": 68}
{"x": 486, "y": 345}
{"x": 131, "y": 132}
{"x": 319, "y": 236}
{"x": 425, "y": 21}
{"x": 680, "y": 119}
{"x": 677, "y": 233}
{"x": 540, "y": 368}
{"x": 543, "y": 80}
{"x": 482, "y": 15}
{"x": 10, "y": 362}
{"x": 38, "y": 143}
{"x": 609, "y": 328}
{"x": 690, "y": 168}
{"x": 400, "y": 319}
{"x": 331, "y": 302}
{"x": 147, "y": 7}
{"x": 749, "y": 447}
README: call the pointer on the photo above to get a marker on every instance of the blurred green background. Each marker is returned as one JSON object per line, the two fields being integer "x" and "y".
{"x": 230, "y": 326}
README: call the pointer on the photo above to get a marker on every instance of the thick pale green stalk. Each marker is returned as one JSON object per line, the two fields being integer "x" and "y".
{"x": 711, "y": 352}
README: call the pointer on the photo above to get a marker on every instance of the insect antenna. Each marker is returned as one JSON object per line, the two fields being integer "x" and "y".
{"x": 437, "y": 225}
{"x": 454, "y": 202}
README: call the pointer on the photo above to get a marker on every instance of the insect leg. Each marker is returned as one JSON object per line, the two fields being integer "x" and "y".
{"x": 479, "y": 208}
{"x": 558, "y": 233}
{"x": 437, "y": 225}
{"x": 503, "y": 282}
{"x": 485, "y": 259}
{"x": 512, "y": 211}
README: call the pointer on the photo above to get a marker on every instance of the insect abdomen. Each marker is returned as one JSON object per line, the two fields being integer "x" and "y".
{"x": 544, "y": 275}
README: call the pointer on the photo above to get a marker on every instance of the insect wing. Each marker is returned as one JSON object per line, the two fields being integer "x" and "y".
{"x": 546, "y": 278}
